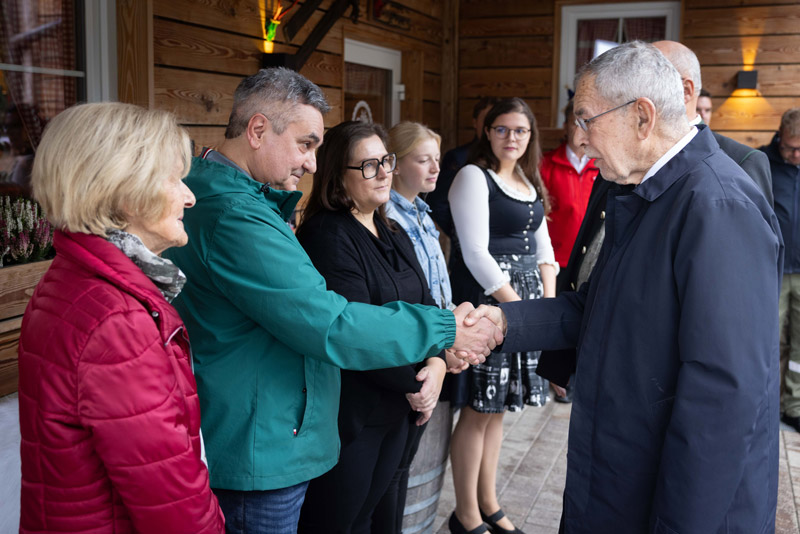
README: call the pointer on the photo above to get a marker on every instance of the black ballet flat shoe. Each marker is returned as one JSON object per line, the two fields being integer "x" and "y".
{"x": 492, "y": 520}
{"x": 457, "y": 528}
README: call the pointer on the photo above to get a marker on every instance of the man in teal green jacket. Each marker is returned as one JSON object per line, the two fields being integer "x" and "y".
{"x": 268, "y": 338}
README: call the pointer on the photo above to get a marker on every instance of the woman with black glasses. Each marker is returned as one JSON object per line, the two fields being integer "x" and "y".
{"x": 366, "y": 259}
{"x": 498, "y": 204}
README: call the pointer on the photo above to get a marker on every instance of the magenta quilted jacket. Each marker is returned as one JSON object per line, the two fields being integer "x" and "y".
{"x": 108, "y": 404}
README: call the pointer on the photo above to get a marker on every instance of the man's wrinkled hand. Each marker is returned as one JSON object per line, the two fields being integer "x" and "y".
{"x": 493, "y": 313}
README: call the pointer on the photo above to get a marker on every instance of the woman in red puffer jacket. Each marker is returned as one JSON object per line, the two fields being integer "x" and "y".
{"x": 109, "y": 414}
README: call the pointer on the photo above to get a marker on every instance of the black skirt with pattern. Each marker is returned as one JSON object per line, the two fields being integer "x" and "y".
{"x": 508, "y": 380}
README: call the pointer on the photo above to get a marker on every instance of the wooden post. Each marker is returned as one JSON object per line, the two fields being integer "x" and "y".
{"x": 449, "y": 106}
{"x": 135, "y": 52}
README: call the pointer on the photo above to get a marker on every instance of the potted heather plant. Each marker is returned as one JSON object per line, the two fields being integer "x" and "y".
{"x": 25, "y": 233}
{"x": 26, "y": 238}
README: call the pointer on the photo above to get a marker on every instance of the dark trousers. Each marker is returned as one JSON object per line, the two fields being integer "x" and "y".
{"x": 388, "y": 515}
{"x": 343, "y": 499}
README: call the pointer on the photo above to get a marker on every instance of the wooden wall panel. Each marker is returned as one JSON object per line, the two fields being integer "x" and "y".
{"x": 773, "y": 80}
{"x": 335, "y": 97}
{"x": 240, "y": 16}
{"x": 539, "y": 106}
{"x": 726, "y": 35}
{"x": 750, "y": 114}
{"x": 195, "y": 97}
{"x": 753, "y": 139}
{"x": 477, "y": 9}
{"x": 503, "y": 52}
{"x": 741, "y": 21}
{"x": 205, "y": 136}
{"x": 9, "y": 357}
{"x": 180, "y": 45}
{"x": 766, "y": 49}
{"x": 507, "y": 26}
{"x": 534, "y": 82}
{"x": 432, "y": 89}
{"x": 431, "y": 115}
{"x": 413, "y": 79}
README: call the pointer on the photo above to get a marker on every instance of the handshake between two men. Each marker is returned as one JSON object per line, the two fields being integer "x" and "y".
{"x": 478, "y": 331}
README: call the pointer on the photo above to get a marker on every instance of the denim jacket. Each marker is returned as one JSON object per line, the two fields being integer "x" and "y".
{"x": 416, "y": 221}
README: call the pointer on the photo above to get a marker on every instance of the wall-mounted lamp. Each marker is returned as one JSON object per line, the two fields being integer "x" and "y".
{"x": 746, "y": 79}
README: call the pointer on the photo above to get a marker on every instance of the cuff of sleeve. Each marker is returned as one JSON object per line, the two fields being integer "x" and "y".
{"x": 513, "y": 330}
{"x": 555, "y": 265}
{"x": 498, "y": 285}
{"x": 449, "y": 329}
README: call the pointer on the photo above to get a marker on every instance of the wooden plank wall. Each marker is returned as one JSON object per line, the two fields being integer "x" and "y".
{"x": 509, "y": 48}
{"x": 201, "y": 50}
{"x": 733, "y": 35}
{"x": 505, "y": 49}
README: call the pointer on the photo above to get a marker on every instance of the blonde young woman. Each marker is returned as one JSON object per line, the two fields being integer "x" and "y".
{"x": 498, "y": 204}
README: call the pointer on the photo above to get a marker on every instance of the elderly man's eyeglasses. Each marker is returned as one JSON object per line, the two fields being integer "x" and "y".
{"x": 504, "y": 131}
{"x": 369, "y": 167}
{"x": 584, "y": 123}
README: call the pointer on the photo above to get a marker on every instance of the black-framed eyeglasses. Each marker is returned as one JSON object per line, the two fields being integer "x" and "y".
{"x": 369, "y": 167}
{"x": 584, "y": 123}
{"x": 504, "y": 131}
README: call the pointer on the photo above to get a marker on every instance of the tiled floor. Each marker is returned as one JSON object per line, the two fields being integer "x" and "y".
{"x": 533, "y": 469}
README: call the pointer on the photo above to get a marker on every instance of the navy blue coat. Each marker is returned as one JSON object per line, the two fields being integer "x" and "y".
{"x": 674, "y": 425}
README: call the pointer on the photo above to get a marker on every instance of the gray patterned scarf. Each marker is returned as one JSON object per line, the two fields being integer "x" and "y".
{"x": 167, "y": 277}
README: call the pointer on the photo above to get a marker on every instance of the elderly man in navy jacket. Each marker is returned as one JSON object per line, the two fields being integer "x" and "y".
{"x": 674, "y": 426}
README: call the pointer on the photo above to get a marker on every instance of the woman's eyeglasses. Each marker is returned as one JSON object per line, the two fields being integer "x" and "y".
{"x": 504, "y": 131}
{"x": 369, "y": 167}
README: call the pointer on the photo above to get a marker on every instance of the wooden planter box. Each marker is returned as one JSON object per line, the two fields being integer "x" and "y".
{"x": 16, "y": 288}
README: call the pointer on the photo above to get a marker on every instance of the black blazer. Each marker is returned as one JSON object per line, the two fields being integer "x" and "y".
{"x": 361, "y": 269}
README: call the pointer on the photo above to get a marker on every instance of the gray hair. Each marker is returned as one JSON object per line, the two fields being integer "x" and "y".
{"x": 635, "y": 70}
{"x": 275, "y": 92}
{"x": 790, "y": 123}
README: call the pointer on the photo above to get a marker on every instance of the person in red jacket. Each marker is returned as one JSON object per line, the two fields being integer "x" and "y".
{"x": 109, "y": 415}
{"x": 568, "y": 175}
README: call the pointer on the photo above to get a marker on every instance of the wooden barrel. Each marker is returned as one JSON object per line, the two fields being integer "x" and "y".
{"x": 426, "y": 476}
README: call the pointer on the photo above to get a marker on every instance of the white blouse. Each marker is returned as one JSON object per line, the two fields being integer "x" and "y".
{"x": 469, "y": 205}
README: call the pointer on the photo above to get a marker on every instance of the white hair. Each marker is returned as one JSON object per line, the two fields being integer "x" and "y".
{"x": 635, "y": 70}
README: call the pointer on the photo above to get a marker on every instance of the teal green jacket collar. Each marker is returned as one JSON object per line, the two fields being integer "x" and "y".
{"x": 227, "y": 180}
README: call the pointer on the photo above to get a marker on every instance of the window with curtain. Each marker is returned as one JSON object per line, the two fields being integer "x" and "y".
{"x": 583, "y": 25}
{"x": 41, "y": 74}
